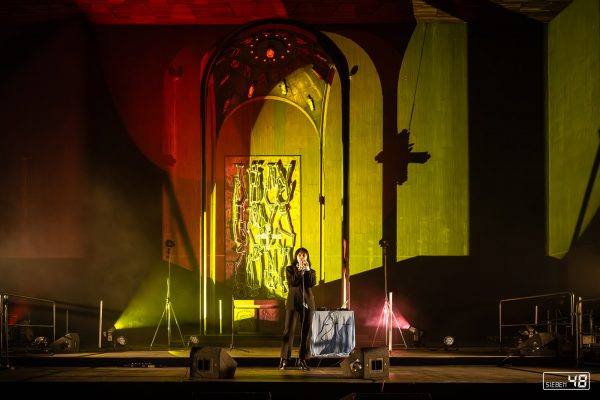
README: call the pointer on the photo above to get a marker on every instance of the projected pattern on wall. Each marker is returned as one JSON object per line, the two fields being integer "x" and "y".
{"x": 262, "y": 215}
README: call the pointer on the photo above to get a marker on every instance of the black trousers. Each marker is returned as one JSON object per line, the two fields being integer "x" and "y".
{"x": 291, "y": 317}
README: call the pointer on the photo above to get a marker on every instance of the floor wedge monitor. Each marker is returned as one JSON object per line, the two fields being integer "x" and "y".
{"x": 367, "y": 363}
{"x": 211, "y": 362}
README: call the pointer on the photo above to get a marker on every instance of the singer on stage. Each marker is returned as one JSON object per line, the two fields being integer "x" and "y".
{"x": 300, "y": 305}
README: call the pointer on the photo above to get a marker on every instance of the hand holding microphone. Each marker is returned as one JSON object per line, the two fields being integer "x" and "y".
{"x": 306, "y": 265}
{"x": 303, "y": 266}
{"x": 302, "y": 262}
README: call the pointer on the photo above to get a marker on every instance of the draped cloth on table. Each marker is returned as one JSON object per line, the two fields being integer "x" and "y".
{"x": 332, "y": 333}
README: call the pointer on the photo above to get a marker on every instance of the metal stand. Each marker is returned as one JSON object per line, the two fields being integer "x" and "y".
{"x": 387, "y": 312}
{"x": 168, "y": 310}
{"x": 231, "y": 346}
{"x": 4, "y": 362}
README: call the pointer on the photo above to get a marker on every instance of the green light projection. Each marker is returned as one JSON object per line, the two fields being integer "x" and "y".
{"x": 365, "y": 174}
{"x": 433, "y": 205}
{"x": 573, "y": 122}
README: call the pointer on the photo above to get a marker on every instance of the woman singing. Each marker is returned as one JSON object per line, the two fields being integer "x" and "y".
{"x": 299, "y": 306}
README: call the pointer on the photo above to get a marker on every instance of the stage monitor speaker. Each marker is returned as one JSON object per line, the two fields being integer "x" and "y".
{"x": 352, "y": 366}
{"x": 66, "y": 344}
{"x": 367, "y": 363}
{"x": 211, "y": 362}
{"x": 376, "y": 362}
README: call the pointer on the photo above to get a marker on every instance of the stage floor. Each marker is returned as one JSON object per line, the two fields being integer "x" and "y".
{"x": 413, "y": 373}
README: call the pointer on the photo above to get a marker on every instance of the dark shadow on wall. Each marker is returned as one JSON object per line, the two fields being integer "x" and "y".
{"x": 583, "y": 259}
{"x": 507, "y": 137}
{"x": 124, "y": 206}
{"x": 127, "y": 212}
{"x": 113, "y": 199}
{"x": 582, "y": 263}
{"x": 443, "y": 295}
{"x": 460, "y": 295}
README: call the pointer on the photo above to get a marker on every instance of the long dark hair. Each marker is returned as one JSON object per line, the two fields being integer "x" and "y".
{"x": 302, "y": 250}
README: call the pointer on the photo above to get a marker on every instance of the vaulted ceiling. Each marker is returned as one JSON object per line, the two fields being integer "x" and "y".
{"x": 194, "y": 12}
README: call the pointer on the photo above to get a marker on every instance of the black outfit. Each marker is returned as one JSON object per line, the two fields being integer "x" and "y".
{"x": 300, "y": 305}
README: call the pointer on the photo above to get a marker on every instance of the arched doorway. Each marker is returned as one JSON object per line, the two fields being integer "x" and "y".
{"x": 274, "y": 107}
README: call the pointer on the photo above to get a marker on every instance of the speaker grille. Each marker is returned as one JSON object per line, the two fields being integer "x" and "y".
{"x": 367, "y": 363}
{"x": 212, "y": 363}
{"x": 377, "y": 362}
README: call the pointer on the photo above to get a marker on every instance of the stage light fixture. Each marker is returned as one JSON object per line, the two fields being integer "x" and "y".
{"x": 40, "y": 342}
{"x": 108, "y": 334}
{"x": 194, "y": 340}
{"x": 66, "y": 344}
{"x": 114, "y": 338}
{"x": 417, "y": 334}
{"x": 449, "y": 342}
{"x": 121, "y": 341}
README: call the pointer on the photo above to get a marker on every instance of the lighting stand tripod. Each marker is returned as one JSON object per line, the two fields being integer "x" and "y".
{"x": 387, "y": 312}
{"x": 168, "y": 310}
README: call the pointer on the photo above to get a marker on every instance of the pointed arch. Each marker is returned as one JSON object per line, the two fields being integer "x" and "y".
{"x": 233, "y": 77}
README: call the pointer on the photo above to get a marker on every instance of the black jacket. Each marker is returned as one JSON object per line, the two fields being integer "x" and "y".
{"x": 297, "y": 281}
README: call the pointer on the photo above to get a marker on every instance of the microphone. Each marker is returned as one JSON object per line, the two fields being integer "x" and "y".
{"x": 303, "y": 266}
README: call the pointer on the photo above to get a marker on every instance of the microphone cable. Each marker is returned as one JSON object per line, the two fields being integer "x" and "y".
{"x": 303, "y": 316}
{"x": 304, "y": 308}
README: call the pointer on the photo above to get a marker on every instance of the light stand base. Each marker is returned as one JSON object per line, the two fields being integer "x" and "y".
{"x": 387, "y": 313}
{"x": 168, "y": 310}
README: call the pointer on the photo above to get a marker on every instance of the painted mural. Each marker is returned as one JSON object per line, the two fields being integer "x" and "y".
{"x": 262, "y": 216}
